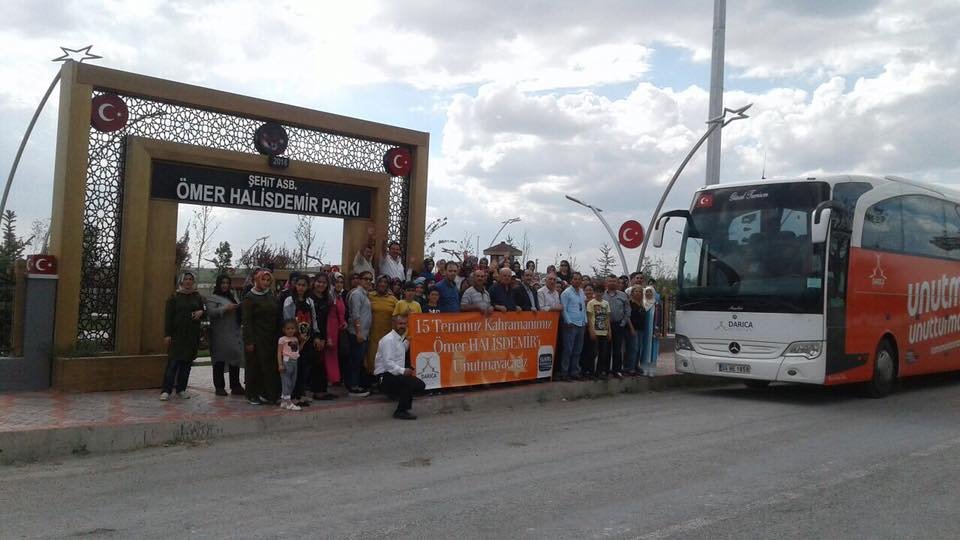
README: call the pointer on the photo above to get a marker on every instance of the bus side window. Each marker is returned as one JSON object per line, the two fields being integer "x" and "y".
{"x": 883, "y": 226}
{"x": 951, "y": 237}
{"x": 924, "y": 233}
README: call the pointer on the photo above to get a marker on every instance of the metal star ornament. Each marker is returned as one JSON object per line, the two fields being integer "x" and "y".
{"x": 77, "y": 55}
{"x": 738, "y": 114}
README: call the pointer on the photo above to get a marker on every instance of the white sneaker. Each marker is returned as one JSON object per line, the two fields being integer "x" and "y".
{"x": 164, "y": 396}
{"x": 293, "y": 407}
{"x": 184, "y": 395}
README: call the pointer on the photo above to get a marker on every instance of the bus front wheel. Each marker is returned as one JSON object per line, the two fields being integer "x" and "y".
{"x": 884, "y": 371}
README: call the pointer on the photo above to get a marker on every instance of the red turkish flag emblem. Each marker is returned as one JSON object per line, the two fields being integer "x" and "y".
{"x": 108, "y": 113}
{"x": 705, "y": 200}
{"x": 631, "y": 234}
{"x": 398, "y": 161}
{"x": 44, "y": 265}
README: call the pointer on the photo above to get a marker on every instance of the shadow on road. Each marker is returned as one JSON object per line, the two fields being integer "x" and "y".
{"x": 811, "y": 395}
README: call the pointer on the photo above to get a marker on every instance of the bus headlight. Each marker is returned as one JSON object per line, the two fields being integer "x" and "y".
{"x": 681, "y": 342}
{"x": 807, "y": 349}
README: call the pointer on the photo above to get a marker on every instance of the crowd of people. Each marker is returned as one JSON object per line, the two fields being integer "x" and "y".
{"x": 329, "y": 329}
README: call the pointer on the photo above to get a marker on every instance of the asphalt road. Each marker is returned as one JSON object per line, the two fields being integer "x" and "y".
{"x": 789, "y": 462}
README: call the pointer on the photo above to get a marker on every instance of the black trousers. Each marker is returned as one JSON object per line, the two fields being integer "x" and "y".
{"x": 218, "y": 382}
{"x": 588, "y": 355}
{"x": 617, "y": 343}
{"x": 177, "y": 373}
{"x": 603, "y": 354}
{"x": 403, "y": 387}
{"x": 557, "y": 350}
{"x": 306, "y": 366}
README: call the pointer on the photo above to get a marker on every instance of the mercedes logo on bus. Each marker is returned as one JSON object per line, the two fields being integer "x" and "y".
{"x": 734, "y": 347}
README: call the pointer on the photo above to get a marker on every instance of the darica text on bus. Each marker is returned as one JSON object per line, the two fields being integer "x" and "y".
{"x": 830, "y": 280}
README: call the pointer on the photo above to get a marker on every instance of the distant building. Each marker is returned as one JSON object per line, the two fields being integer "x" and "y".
{"x": 501, "y": 251}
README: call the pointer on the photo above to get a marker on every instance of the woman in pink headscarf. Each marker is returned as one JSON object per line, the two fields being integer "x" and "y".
{"x": 336, "y": 322}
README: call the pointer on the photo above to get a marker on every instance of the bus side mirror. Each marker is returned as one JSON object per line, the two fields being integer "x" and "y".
{"x": 661, "y": 224}
{"x": 820, "y": 227}
{"x": 821, "y": 221}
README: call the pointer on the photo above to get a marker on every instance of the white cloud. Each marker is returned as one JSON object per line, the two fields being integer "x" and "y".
{"x": 505, "y": 145}
{"x": 523, "y": 91}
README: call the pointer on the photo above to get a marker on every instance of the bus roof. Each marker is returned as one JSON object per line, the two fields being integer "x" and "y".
{"x": 836, "y": 178}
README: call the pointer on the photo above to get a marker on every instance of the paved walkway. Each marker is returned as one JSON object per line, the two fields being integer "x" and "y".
{"x": 25, "y": 411}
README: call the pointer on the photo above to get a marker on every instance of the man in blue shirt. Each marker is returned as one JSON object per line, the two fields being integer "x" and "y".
{"x": 449, "y": 292}
{"x": 574, "y": 321}
{"x": 501, "y": 294}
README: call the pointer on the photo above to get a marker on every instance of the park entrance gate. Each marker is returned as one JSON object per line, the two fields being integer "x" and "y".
{"x": 130, "y": 148}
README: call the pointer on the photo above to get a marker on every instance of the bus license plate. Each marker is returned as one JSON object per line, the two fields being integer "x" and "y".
{"x": 734, "y": 368}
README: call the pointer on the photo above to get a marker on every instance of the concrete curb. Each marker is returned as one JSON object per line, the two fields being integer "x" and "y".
{"x": 34, "y": 445}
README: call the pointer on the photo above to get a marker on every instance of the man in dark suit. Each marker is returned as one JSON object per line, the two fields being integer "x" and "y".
{"x": 525, "y": 295}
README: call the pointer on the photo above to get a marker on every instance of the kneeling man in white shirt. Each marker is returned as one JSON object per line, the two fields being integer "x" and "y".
{"x": 390, "y": 368}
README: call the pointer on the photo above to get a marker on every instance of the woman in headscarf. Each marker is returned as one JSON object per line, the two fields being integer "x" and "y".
{"x": 300, "y": 306}
{"x": 638, "y": 321}
{"x": 226, "y": 336}
{"x": 335, "y": 321}
{"x": 259, "y": 314}
{"x": 651, "y": 332}
{"x": 382, "y": 302}
{"x": 184, "y": 311}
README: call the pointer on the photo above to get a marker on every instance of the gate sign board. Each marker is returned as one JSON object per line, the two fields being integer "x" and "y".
{"x": 211, "y": 186}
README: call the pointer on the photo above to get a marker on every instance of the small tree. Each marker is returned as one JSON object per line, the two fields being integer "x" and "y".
{"x": 205, "y": 225}
{"x": 223, "y": 255}
{"x": 40, "y": 234}
{"x": 560, "y": 256}
{"x": 319, "y": 255}
{"x": 304, "y": 236}
{"x": 461, "y": 249}
{"x": 11, "y": 250}
{"x": 430, "y": 247}
{"x": 183, "y": 250}
{"x": 282, "y": 257}
{"x": 526, "y": 246}
{"x": 606, "y": 262}
{"x": 13, "y": 245}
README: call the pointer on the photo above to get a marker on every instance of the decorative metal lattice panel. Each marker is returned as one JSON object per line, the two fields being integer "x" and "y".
{"x": 162, "y": 121}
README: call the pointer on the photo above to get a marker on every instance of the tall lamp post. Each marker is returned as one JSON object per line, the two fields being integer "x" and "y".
{"x": 716, "y": 88}
{"x": 715, "y": 123}
{"x": 503, "y": 225}
{"x": 616, "y": 241}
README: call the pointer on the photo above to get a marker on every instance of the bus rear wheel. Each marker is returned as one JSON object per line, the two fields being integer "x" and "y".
{"x": 884, "y": 371}
{"x": 756, "y": 385}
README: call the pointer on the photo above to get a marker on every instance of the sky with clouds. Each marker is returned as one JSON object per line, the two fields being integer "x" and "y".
{"x": 526, "y": 101}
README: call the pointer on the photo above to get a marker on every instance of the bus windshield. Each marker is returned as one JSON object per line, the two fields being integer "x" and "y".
{"x": 748, "y": 248}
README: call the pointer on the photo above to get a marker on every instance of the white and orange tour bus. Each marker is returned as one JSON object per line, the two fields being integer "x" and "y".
{"x": 827, "y": 280}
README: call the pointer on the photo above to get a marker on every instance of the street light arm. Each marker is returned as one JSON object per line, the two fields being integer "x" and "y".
{"x": 23, "y": 142}
{"x": 714, "y": 123}
{"x": 596, "y": 211}
{"x": 503, "y": 226}
{"x": 578, "y": 201}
